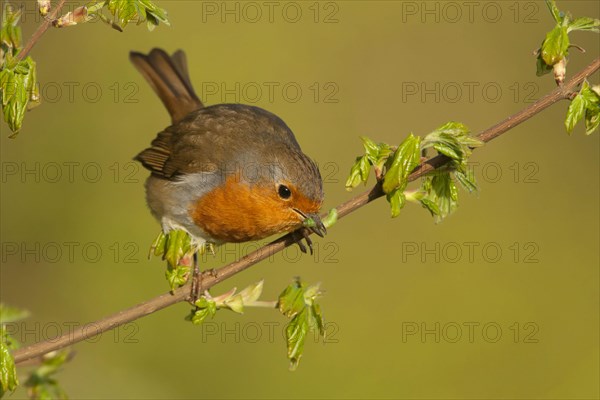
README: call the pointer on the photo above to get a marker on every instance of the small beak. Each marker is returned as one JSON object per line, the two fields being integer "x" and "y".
{"x": 313, "y": 223}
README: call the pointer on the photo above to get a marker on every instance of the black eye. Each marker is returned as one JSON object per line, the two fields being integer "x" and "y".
{"x": 284, "y": 192}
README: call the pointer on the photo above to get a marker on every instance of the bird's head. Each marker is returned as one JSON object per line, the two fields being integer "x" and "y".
{"x": 281, "y": 193}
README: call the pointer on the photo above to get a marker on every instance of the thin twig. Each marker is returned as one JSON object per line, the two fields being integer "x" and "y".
{"x": 212, "y": 278}
{"x": 40, "y": 30}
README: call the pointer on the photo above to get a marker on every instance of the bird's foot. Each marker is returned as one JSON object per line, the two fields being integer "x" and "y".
{"x": 300, "y": 235}
{"x": 195, "y": 286}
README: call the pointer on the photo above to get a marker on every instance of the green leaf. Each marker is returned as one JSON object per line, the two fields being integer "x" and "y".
{"x": 430, "y": 206}
{"x": 382, "y": 156}
{"x": 8, "y": 339}
{"x": 331, "y": 218}
{"x": 446, "y": 150}
{"x": 438, "y": 193}
{"x": 252, "y": 292}
{"x": 375, "y": 155}
{"x": 204, "y": 302}
{"x": 159, "y": 245}
{"x": 554, "y": 10}
{"x": 397, "y": 199}
{"x": 316, "y": 321}
{"x": 8, "y": 371}
{"x": 299, "y": 304}
{"x": 592, "y": 120}
{"x": 584, "y": 24}
{"x": 139, "y": 11}
{"x": 453, "y": 128}
{"x": 556, "y": 45}
{"x": 206, "y": 307}
{"x": 592, "y": 108}
{"x": 291, "y": 300}
{"x": 229, "y": 300}
{"x": 575, "y": 112}
{"x": 11, "y": 314}
{"x": 364, "y": 168}
{"x": 591, "y": 97}
{"x": 401, "y": 163}
{"x": 41, "y": 383}
{"x": 10, "y": 35}
{"x": 359, "y": 173}
{"x": 541, "y": 67}
{"x": 178, "y": 246}
{"x": 124, "y": 11}
{"x": 94, "y": 8}
{"x": 199, "y": 316}
{"x": 441, "y": 195}
{"x": 586, "y": 103}
{"x": 154, "y": 14}
{"x": 52, "y": 362}
{"x": 295, "y": 334}
{"x": 452, "y": 140}
{"x": 235, "y": 304}
{"x": 466, "y": 178}
{"x": 19, "y": 92}
{"x": 177, "y": 276}
{"x": 311, "y": 293}
{"x": 354, "y": 179}
{"x": 371, "y": 149}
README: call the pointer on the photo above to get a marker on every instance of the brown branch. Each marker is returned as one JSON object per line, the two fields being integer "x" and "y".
{"x": 40, "y": 30}
{"x": 210, "y": 279}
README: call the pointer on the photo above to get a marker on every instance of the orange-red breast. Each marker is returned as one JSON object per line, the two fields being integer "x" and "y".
{"x": 224, "y": 173}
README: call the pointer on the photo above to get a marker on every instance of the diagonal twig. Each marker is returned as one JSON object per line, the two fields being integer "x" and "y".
{"x": 40, "y": 30}
{"x": 212, "y": 278}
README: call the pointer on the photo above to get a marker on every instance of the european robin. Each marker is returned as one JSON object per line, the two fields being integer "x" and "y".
{"x": 227, "y": 172}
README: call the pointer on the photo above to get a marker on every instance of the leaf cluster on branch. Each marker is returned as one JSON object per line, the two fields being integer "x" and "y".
{"x": 19, "y": 90}
{"x": 40, "y": 383}
{"x": 392, "y": 165}
{"x": 552, "y": 55}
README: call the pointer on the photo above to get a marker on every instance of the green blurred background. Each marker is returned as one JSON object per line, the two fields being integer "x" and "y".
{"x": 498, "y": 301}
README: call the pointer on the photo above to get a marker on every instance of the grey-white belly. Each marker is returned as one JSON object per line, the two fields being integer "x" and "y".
{"x": 170, "y": 201}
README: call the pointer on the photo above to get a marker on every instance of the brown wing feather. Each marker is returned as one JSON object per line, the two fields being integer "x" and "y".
{"x": 156, "y": 157}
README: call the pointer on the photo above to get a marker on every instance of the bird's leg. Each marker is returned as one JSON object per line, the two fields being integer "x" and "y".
{"x": 300, "y": 235}
{"x": 195, "y": 287}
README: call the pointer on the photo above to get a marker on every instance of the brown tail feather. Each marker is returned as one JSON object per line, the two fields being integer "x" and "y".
{"x": 169, "y": 78}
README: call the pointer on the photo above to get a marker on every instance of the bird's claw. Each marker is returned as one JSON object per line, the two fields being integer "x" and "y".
{"x": 300, "y": 235}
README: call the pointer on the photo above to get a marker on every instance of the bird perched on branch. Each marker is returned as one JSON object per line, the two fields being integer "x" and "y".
{"x": 227, "y": 172}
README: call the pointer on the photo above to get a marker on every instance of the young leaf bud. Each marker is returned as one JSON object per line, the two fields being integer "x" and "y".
{"x": 44, "y": 7}
{"x": 560, "y": 70}
{"x": 77, "y": 16}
